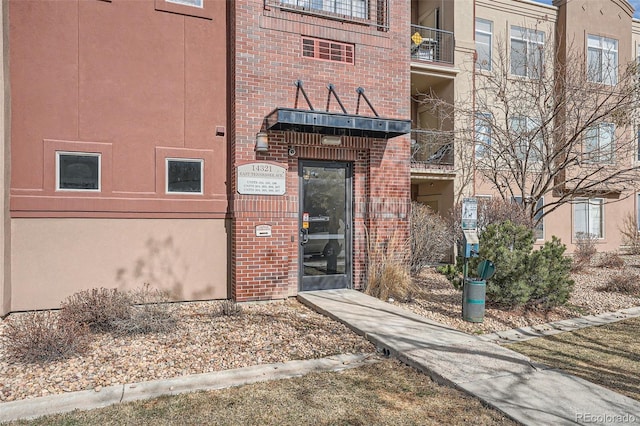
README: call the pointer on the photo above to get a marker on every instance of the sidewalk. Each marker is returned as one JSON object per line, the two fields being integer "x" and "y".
{"x": 529, "y": 393}
{"x": 525, "y": 333}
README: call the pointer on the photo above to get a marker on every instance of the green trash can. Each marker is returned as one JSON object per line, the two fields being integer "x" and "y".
{"x": 473, "y": 298}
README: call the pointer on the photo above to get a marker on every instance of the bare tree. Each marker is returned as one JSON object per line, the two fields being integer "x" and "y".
{"x": 549, "y": 124}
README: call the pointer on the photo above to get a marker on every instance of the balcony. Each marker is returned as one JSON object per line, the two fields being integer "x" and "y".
{"x": 370, "y": 13}
{"x": 431, "y": 45}
{"x": 431, "y": 149}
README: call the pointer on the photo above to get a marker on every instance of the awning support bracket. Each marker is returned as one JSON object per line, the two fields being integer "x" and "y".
{"x": 360, "y": 92}
{"x": 299, "y": 89}
{"x": 331, "y": 88}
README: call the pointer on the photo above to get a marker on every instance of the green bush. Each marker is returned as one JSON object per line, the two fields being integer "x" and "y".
{"x": 548, "y": 276}
{"x": 523, "y": 276}
{"x": 508, "y": 246}
{"x": 453, "y": 274}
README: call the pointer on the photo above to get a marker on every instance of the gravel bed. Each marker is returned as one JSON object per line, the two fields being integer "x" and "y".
{"x": 204, "y": 341}
{"x": 440, "y": 302}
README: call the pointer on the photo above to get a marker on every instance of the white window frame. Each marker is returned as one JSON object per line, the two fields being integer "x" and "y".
{"x": 483, "y": 134}
{"x": 191, "y": 3}
{"x": 352, "y": 8}
{"x": 638, "y": 211}
{"x": 538, "y": 231}
{"x": 596, "y": 153}
{"x": 525, "y": 144}
{"x": 589, "y": 202}
{"x": 602, "y": 60}
{"x": 484, "y": 29}
{"x": 637, "y": 129}
{"x": 200, "y": 161}
{"x": 79, "y": 154}
{"x": 533, "y": 42}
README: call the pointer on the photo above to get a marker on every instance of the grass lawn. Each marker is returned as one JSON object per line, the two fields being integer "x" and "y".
{"x": 385, "y": 393}
{"x": 608, "y": 355}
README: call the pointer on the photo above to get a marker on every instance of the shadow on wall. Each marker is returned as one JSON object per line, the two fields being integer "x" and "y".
{"x": 164, "y": 268}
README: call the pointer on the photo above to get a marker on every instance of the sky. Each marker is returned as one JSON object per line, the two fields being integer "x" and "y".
{"x": 634, "y": 3}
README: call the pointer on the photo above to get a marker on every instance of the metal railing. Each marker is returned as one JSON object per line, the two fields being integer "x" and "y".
{"x": 373, "y": 13}
{"x": 432, "y": 147}
{"x": 431, "y": 45}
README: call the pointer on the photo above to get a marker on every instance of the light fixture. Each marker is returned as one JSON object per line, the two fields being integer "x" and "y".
{"x": 331, "y": 140}
{"x": 262, "y": 142}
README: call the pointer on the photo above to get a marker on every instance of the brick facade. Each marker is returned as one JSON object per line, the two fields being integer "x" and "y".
{"x": 267, "y": 61}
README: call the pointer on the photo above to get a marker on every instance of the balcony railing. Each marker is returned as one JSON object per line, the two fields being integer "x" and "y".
{"x": 373, "y": 13}
{"x": 431, "y": 45}
{"x": 432, "y": 148}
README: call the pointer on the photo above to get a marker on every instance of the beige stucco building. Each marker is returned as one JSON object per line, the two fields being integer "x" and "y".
{"x": 446, "y": 165}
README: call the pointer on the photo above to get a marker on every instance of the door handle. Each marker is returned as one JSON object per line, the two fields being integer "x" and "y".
{"x": 304, "y": 236}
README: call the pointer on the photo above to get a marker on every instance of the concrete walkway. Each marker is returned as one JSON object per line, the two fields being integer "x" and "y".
{"x": 549, "y": 329}
{"x": 530, "y": 393}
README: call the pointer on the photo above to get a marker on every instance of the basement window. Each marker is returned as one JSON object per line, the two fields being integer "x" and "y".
{"x": 327, "y": 50}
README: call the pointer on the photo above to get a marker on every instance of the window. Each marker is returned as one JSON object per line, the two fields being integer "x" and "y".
{"x": 588, "y": 218}
{"x": 527, "y": 52}
{"x": 638, "y": 142}
{"x": 327, "y": 50}
{"x": 598, "y": 143}
{"x": 350, "y": 8}
{"x": 184, "y": 176}
{"x": 194, "y": 8}
{"x": 527, "y": 138}
{"x": 537, "y": 216}
{"x": 638, "y": 211}
{"x": 484, "y": 31}
{"x": 483, "y": 133}
{"x": 602, "y": 60}
{"x": 77, "y": 171}
{"x": 193, "y": 3}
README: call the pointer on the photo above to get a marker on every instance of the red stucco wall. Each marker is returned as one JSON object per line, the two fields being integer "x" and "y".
{"x": 124, "y": 79}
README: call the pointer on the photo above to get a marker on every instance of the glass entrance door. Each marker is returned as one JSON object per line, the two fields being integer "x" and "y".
{"x": 325, "y": 225}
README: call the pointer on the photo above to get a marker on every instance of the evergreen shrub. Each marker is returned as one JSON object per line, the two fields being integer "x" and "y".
{"x": 523, "y": 276}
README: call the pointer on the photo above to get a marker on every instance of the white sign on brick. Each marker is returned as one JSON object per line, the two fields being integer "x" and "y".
{"x": 262, "y": 179}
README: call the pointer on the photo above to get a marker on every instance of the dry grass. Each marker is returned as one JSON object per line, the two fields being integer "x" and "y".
{"x": 388, "y": 273}
{"x": 608, "y": 355}
{"x": 630, "y": 233}
{"x": 585, "y": 251}
{"x": 43, "y": 337}
{"x": 98, "y": 308}
{"x": 624, "y": 283}
{"x": 611, "y": 260}
{"x": 385, "y": 393}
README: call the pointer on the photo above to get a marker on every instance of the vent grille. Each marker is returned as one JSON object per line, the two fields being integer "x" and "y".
{"x": 327, "y": 50}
